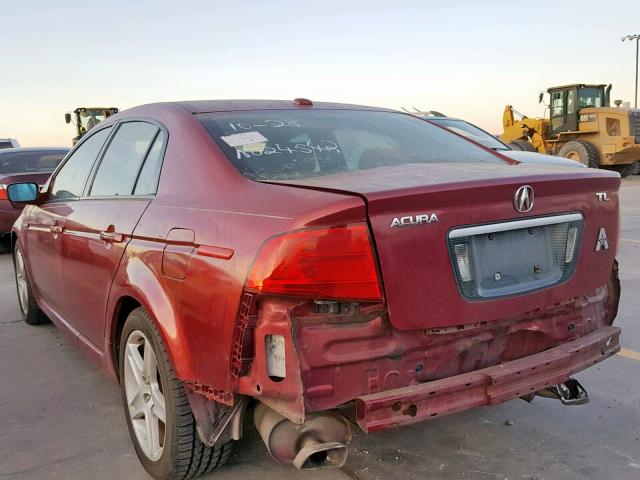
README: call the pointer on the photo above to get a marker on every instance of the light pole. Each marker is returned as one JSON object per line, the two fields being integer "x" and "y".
{"x": 635, "y": 37}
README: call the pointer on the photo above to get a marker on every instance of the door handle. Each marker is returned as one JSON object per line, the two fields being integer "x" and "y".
{"x": 55, "y": 229}
{"x": 111, "y": 237}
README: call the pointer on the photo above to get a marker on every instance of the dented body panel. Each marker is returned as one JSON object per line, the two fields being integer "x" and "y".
{"x": 365, "y": 348}
{"x": 487, "y": 386}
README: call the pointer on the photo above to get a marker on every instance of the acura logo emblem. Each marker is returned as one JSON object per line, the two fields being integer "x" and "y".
{"x": 523, "y": 199}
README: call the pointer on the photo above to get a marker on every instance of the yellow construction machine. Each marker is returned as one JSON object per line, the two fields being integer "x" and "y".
{"x": 582, "y": 126}
{"x": 85, "y": 118}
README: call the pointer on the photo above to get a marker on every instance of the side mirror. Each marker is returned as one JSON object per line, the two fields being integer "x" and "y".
{"x": 23, "y": 192}
{"x": 540, "y": 97}
{"x": 67, "y": 117}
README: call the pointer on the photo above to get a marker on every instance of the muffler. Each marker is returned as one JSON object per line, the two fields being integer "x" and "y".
{"x": 320, "y": 442}
{"x": 570, "y": 392}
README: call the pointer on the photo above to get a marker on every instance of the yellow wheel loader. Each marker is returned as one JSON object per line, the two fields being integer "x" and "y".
{"x": 582, "y": 126}
{"x": 85, "y": 118}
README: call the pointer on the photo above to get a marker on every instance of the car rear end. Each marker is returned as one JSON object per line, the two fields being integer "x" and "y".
{"x": 23, "y": 165}
{"x": 8, "y": 212}
{"x": 430, "y": 295}
{"x": 467, "y": 281}
{"x": 486, "y": 303}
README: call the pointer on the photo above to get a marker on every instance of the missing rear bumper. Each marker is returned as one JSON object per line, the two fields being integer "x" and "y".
{"x": 488, "y": 386}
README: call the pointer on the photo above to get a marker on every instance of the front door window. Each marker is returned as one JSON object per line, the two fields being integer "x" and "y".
{"x": 70, "y": 181}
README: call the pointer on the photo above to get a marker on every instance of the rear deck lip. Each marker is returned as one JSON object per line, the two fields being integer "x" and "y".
{"x": 488, "y": 386}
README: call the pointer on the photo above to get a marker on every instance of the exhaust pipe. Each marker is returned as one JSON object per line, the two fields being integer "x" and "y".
{"x": 320, "y": 442}
{"x": 570, "y": 392}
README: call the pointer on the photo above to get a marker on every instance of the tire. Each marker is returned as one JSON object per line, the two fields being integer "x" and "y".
{"x": 179, "y": 454}
{"x": 522, "y": 145}
{"x": 5, "y": 243}
{"x": 581, "y": 151}
{"x": 29, "y": 308}
{"x": 626, "y": 170}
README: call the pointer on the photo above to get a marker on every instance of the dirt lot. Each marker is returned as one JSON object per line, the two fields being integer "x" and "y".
{"x": 61, "y": 419}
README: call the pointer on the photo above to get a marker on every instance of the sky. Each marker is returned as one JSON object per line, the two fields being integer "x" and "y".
{"x": 464, "y": 58}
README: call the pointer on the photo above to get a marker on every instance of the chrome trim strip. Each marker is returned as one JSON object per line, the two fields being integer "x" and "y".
{"x": 515, "y": 225}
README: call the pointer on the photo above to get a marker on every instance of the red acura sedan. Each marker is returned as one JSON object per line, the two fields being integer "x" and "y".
{"x": 295, "y": 257}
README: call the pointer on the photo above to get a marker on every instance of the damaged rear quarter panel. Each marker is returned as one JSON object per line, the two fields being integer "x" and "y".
{"x": 331, "y": 361}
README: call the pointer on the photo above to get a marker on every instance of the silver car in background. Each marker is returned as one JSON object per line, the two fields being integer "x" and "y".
{"x": 469, "y": 130}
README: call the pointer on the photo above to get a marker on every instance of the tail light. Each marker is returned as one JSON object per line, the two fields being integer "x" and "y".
{"x": 330, "y": 263}
{"x": 3, "y": 192}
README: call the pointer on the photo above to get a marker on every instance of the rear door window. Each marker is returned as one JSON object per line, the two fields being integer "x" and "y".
{"x": 147, "y": 183}
{"x": 121, "y": 163}
{"x": 72, "y": 177}
{"x": 294, "y": 144}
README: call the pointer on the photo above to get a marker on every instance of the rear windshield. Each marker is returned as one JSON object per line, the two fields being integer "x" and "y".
{"x": 27, "y": 162}
{"x": 294, "y": 144}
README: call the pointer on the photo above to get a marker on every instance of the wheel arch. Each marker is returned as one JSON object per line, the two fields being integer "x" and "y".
{"x": 124, "y": 306}
{"x": 136, "y": 285}
{"x": 17, "y": 238}
{"x": 14, "y": 238}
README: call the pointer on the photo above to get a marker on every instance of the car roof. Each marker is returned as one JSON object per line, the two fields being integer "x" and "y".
{"x": 578, "y": 85}
{"x": 34, "y": 149}
{"x": 436, "y": 118}
{"x": 206, "y": 106}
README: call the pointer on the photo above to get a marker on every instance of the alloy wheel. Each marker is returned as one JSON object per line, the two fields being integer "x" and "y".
{"x": 575, "y": 156}
{"x": 144, "y": 393}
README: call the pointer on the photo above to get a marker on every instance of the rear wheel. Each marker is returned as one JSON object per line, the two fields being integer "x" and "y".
{"x": 159, "y": 417}
{"x": 522, "y": 145}
{"x": 29, "y": 308}
{"x": 626, "y": 170}
{"x": 581, "y": 151}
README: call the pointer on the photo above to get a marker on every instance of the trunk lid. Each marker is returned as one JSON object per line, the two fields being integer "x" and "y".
{"x": 419, "y": 212}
